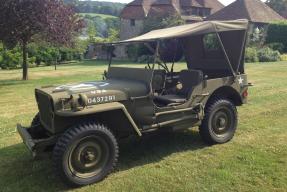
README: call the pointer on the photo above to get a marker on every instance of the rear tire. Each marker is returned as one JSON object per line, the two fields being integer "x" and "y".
{"x": 85, "y": 154}
{"x": 220, "y": 122}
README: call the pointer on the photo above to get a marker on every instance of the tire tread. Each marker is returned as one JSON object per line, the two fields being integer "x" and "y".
{"x": 68, "y": 137}
{"x": 203, "y": 129}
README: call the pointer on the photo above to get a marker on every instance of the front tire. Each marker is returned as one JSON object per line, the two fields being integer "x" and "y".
{"x": 36, "y": 130}
{"x": 220, "y": 122}
{"x": 85, "y": 154}
{"x": 36, "y": 120}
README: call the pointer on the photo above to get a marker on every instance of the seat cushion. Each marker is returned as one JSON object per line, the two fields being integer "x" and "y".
{"x": 168, "y": 99}
{"x": 189, "y": 79}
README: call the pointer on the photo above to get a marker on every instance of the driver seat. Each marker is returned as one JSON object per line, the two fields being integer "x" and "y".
{"x": 189, "y": 79}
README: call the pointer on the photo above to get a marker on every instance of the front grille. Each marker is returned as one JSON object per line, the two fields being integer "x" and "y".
{"x": 45, "y": 108}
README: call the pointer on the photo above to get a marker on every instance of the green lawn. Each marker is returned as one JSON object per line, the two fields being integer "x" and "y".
{"x": 255, "y": 160}
{"x": 98, "y": 14}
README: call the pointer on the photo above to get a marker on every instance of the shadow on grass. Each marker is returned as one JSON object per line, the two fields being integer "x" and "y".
{"x": 10, "y": 82}
{"x": 154, "y": 147}
{"x": 20, "y": 172}
{"x": 88, "y": 63}
{"x": 102, "y": 63}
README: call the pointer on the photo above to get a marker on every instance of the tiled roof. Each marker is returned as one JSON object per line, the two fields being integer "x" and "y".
{"x": 214, "y": 5}
{"x": 139, "y": 9}
{"x": 253, "y": 10}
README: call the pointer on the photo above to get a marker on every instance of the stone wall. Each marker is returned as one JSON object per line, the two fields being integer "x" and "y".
{"x": 127, "y": 31}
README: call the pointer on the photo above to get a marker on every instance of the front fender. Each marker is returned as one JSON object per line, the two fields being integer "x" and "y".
{"x": 96, "y": 109}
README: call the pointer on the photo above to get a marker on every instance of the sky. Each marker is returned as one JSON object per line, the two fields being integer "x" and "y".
{"x": 225, "y": 2}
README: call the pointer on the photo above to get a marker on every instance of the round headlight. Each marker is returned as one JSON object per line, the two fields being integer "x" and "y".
{"x": 83, "y": 100}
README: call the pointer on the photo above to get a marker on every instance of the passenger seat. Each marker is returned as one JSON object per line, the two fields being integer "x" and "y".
{"x": 189, "y": 80}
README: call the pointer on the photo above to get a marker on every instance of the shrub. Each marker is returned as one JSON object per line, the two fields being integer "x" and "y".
{"x": 277, "y": 33}
{"x": 132, "y": 52}
{"x": 268, "y": 55}
{"x": 283, "y": 57}
{"x": 37, "y": 55}
{"x": 145, "y": 59}
{"x": 276, "y": 46}
{"x": 11, "y": 59}
{"x": 68, "y": 54}
{"x": 251, "y": 55}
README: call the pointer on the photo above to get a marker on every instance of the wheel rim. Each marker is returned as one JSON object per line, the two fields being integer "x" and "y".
{"x": 221, "y": 122}
{"x": 88, "y": 157}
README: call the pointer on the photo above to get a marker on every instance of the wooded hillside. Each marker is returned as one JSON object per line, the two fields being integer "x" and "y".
{"x": 107, "y": 8}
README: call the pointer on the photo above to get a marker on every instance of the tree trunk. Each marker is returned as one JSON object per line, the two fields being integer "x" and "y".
{"x": 56, "y": 65}
{"x": 25, "y": 64}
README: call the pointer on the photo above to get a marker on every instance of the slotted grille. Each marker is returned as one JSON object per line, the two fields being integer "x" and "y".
{"x": 45, "y": 108}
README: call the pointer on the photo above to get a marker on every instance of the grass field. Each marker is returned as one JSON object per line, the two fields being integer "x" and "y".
{"x": 255, "y": 160}
{"x": 98, "y": 14}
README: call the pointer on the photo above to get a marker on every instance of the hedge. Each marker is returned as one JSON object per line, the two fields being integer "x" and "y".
{"x": 37, "y": 55}
{"x": 277, "y": 33}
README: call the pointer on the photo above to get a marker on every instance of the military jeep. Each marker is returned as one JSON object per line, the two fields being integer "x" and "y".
{"x": 82, "y": 123}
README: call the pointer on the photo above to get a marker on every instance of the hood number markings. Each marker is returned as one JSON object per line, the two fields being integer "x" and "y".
{"x": 101, "y": 99}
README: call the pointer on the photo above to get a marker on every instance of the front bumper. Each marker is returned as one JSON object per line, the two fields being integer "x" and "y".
{"x": 35, "y": 145}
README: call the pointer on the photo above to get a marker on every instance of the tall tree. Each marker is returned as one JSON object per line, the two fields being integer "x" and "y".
{"x": 278, "y": 5}
{"x": 50, "y": 20}
{"x": 91, "y": 31}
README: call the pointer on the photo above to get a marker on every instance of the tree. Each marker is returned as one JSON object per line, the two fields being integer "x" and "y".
{"x": 160, "y": 22}
{"x": 50, "y": 20}
{"x": 91, "y": 31}
{"x": 277, "y": 34}
{"x": 114, "y": 35}
{"x": 278, "y": 5}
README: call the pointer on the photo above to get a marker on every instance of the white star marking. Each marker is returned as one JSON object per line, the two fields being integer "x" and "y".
{"x": 240, "y": 80}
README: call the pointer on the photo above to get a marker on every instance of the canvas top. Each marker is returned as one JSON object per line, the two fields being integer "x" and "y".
{"x": 199, "y": 28}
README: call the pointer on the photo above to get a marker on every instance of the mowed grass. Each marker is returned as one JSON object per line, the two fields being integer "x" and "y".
{"x": 255, "y": 160}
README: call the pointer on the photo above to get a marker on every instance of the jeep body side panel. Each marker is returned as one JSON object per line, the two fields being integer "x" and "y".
{"x": 229, "y": 86}
{"x": 90, "y": 112}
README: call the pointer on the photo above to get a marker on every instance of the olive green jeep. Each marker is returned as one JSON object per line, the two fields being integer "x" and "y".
{"x": 82, "y": 123}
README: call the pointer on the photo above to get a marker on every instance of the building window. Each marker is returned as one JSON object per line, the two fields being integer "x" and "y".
{"x": 132, "y": 22}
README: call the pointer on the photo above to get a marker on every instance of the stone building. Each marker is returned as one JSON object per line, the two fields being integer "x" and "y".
{"x": 257, "y": 12}
{"x": 133, "y": 15}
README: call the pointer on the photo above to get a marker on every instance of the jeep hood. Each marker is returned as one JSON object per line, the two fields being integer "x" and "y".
{"x": 128, "y": 87}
